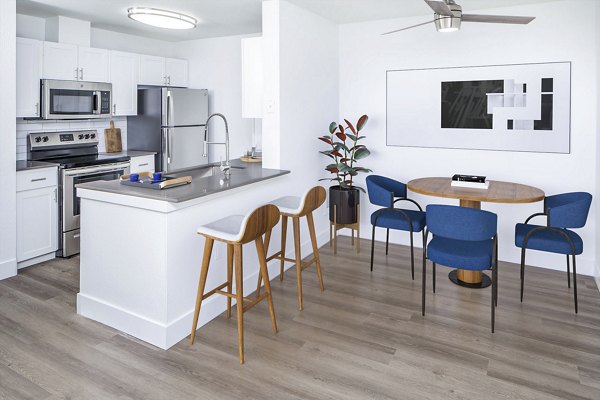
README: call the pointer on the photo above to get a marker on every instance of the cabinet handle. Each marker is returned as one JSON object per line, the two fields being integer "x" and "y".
{"x": 76, "y": 74}
{"x": 165, "y": 79}
{"x": 169, "y": 79}
{"x": 55, "y": 195}
{"x": 143, "y": 165}
{"x": 81, "y": 69}
{"x": 38, "y": 179}
{"x": 37, "y": 109}
{"x": 114, "y": 109}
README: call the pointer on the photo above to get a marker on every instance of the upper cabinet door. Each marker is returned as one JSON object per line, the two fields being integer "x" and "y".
{"x": 29, "y": 73}
{"x": 152, "y": 71}
{"x": 60, "y": 61}
{"x": 124, "y": 72}
{"x": 93, "y": 64}
{"x": 176, "y": 72}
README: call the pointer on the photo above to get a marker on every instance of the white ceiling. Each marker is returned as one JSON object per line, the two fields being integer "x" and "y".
{"x": 232, "y": 17}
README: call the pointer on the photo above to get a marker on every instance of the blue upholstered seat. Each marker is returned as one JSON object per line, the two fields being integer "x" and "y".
{"x": 386, "y": 192}
{"x": 548, "y": 240}
{"x": 461, "y": 254}
{"x": 392, "y": 219}
{"x": 563, "y": 212}
{"x": 464, "y": 238}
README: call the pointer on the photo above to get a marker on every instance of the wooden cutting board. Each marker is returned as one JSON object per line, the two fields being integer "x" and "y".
{"x": 112, "y": 139}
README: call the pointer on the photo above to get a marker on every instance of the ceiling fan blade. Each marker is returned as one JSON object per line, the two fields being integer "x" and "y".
{"x": 440, "y": 8}
{"x": 496, "y": 19}
{"x": 408, "y": 27}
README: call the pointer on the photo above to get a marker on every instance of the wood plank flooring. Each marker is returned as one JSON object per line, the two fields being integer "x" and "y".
{"x": 363, "y": 338}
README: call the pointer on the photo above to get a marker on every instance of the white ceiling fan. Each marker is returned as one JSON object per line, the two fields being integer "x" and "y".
{"x": 448, "y": 16}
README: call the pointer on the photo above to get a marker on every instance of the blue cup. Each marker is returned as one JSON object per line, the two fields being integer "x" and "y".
{"x": 134, "y": 177}
{"x": 157, "y": 176}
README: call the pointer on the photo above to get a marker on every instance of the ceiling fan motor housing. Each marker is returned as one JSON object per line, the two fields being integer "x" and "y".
{"x": 444, "y": 23}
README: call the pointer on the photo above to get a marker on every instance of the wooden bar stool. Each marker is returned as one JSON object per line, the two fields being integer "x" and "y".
{"x": 235, "y": 231}
{"x": 296, "y": 207}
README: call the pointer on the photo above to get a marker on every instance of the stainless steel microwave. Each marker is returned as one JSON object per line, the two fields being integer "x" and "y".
{"x": 75, "y": 99}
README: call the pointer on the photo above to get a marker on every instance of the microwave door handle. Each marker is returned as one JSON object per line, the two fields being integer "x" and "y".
{"x": 97, "y": 102}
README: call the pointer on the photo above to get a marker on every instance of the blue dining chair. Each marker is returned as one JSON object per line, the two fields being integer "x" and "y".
{"x": 386, "y": 192}
{"x": 464, "y": 238}
{"x": 562, "y": 211}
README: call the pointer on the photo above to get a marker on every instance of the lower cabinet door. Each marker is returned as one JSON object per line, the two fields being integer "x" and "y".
{"x": 37, "y": 222}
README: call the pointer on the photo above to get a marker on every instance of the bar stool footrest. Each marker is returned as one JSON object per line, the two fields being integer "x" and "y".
{"x": 215, "y": 290}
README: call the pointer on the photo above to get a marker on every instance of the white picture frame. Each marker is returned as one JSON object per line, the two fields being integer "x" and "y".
{"x": 514, "y": 107}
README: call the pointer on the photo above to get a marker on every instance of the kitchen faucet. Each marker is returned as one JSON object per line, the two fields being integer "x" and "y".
{"x": 226, "y": 168}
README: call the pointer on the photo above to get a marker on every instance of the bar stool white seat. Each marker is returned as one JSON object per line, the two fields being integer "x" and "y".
{"x": 235, "y": 231}
{"x": 296, "y": 207}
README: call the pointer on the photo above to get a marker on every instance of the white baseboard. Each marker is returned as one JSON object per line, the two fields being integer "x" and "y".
{"x": 8, "y": 268}
{"x": 166, "y": 335}
{"x": 36, "y": 260}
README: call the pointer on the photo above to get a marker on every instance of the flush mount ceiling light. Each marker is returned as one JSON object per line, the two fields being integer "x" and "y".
{"x": 161, "y": 18}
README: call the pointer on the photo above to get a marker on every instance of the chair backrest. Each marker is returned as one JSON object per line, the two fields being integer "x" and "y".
{"x": 568, "y": 210}
{"x": 382, "y": 190}
{"x": 313, "y": 199}
{"x": 461, "y": 223}
{"x": 258, "y": 222}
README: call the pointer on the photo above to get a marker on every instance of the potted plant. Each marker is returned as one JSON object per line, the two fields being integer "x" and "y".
{"x": 345, "y": 152}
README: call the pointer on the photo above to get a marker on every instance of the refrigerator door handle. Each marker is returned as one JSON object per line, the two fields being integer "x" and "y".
{"x": 169, "y": 100}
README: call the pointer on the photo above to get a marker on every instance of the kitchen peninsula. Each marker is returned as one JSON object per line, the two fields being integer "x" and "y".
{"x": 140, "y": 254}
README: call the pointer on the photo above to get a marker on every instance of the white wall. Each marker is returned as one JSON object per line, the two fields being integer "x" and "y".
{"x": 8, "y": 205}
{"x": 562, "y": 31}
{"x": 216, "y": 64}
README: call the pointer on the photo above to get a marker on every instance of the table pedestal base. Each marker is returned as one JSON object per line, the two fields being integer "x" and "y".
{"x": 456, "y": 275}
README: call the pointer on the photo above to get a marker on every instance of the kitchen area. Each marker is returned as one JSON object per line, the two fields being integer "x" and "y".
{"x": 98, "y": 131}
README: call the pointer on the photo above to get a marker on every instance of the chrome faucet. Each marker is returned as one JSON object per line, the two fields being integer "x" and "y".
{"x": 226, "y": 168}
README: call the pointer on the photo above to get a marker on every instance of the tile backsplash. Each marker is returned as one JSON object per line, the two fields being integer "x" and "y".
{"x": 27, "y": 126}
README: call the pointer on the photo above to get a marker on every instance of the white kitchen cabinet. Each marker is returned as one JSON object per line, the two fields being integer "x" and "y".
{"x": 37, "y": 214}
{"x": 252, "y": 78}
{"x": 152, "y": 71}
{"x": 176, "y": 72}
{"x": 93, "y": 64}
{"x": 60, "y": 61}
{"x": 160, "y": 71}
{"x": 29, "y": 73}
{"x": 142, "y": 164}
{"x": 74, "y": 63}
{"x": 124, "y": 76}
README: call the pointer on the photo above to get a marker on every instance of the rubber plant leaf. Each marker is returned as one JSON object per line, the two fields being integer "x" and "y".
{"x": 326, "y": 139}
{"x": 332, "y": 127}
{"x": 361, "y": 153}
{"x": 361, "y": 122}
{"x": 350, "y": 126}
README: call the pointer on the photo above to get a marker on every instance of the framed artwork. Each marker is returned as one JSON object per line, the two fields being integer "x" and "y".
{"x": 517, "y": 107}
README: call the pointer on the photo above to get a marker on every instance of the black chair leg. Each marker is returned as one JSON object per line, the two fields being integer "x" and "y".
{"x": 433, "y": 273}
{"x": 423, "y": 285}
{"x": 387, "y": 241}
{"x": 493, "y": 295}
{"x": 568, "y": 272}
{"x": 575, "y": 282}
{"x": 372, "y": 247}
{"x": 412, "y": 257}
{"x": 496, "y": 270}
{"x": 522, "y": 271}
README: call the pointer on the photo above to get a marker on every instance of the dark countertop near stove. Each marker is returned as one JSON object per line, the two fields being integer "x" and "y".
{"x": 23, "y": 165}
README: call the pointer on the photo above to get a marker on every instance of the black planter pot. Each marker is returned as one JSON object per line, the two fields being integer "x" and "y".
{"x": 346, "y": 203}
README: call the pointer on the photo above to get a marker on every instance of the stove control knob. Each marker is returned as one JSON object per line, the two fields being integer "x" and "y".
{"x": 45, "y": 139}
{"x": 38, "y": 139}
{"x": 87, "y": 135}
{"x": 93, "y": 135}
{"x": 80, "y": 137}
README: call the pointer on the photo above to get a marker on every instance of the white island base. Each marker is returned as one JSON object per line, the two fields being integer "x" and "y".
{"x": 140, "y": 258}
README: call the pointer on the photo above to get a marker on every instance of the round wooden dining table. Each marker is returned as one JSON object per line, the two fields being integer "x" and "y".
{"x": 497, "y": 192}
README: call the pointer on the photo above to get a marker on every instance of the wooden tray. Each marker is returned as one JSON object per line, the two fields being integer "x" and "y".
{"x": 251, "y": 159}
{"x": 147, "y": 182}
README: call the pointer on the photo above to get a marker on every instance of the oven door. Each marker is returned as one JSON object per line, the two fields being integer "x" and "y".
{"x": 75, "y": 100}
{"x": 72, "y": 177}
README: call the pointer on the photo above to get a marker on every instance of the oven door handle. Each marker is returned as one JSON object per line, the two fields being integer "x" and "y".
{"x": 105, "y": 168}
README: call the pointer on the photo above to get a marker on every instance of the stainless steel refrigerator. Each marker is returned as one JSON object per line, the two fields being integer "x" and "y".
{"x": 170, "y": 122}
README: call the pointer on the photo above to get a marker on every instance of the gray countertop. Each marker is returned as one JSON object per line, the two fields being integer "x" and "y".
{"x": 23, "y": 165}
{"x": 201, "y": 185}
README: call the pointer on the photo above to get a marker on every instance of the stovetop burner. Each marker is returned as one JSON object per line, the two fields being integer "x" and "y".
{"x": 72, "y": 149}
